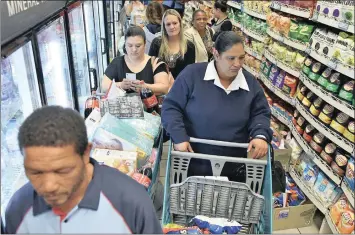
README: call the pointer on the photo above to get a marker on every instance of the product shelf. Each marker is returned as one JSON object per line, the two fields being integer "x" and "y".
{"x": 277, "y": 91}
{"x": 255, "y": 14}
{"x": 287, "y": 68}
{"x": 309, "y": 192}
{"x": 235, "y": 23}
{"x": 251, "y": 52}
{"x": 328, "y": 97}
{"x": 293, "y": 10}
{"x": 254, "y": 35}
{"x": 280, "y": 117}
{"x": 341, "y": 68}
{"x": 288, "y": 41}
{"x": 234, "y": 4}
{"x": 321, "y": 18}
{"x": 327, "y": 132}
{"x": 314, "y": 156}
{"x": 331, "y": 224}
{"x": 348, "y": 193}
{"x": 251, "y": 70}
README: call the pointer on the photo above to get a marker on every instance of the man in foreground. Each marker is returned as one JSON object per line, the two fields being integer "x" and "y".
{"x": 69, "y": 192}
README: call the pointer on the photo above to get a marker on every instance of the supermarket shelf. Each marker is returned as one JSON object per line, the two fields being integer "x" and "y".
{"x": 328, "y": 97}
{"x": 348, "y": 193}
{"x": 293, "y": 10}
{"x": 234, "y": 4}
{"x": 254, "y": 35}
{"x": 255, "y": 14}
{"x": 300, "y": 140}
{"x": 287, "y": 68}
{"x": 343, "y": 69}
{"x": 250, "y": 70}
{"x": 235, "y": 23}
{"x": 321, "y": 18}
{"x": 331, "y": 224}
{"x": 290, "y": 42}
{"x": 277, "y": 91}
{"x": 251, "y": 52}
{"x": 309, "y": 192}
{"x": 327, "y": 132}
{"x": 314, "y": 156}
{"x": 280, "y": 117}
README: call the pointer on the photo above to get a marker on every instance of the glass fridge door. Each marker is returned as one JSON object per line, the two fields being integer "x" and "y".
{"x": 118, "y": 26}
{"x": 110, "y": 29}
{"x": 100, "y": 36}
{"x": 19, "y": 98}
{"x": 79, "y": 53}
{"x": 92, "y": 44}
{"x": 55, "y": 65}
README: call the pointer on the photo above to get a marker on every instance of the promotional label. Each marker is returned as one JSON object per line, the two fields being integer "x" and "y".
{"x": 150, "y": 102}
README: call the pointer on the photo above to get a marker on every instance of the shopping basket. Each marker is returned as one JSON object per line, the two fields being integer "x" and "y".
{"x": 249, "y": 203}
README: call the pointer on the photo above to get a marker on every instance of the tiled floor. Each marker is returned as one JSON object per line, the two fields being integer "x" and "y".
{"x": 313, "y": 229}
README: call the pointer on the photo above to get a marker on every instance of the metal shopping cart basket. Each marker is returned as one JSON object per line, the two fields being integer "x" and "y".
{"x": 249, "y": 203}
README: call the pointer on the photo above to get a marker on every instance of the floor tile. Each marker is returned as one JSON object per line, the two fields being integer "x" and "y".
{"x": 287, "y": 231}
{"x": 313, "y": 229}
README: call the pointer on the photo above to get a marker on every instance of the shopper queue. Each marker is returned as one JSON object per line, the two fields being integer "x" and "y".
{"x": 208, "y": 96}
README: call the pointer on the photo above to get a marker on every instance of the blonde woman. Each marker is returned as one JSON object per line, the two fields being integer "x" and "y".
{"x": 172, "y": 47}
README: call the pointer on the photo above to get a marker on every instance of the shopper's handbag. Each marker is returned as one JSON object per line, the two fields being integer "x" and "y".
{"x": 278, "y": 174}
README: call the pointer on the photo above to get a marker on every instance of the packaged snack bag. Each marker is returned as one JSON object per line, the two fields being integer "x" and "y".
{"x": 325, "y": 189}
{"x": 290, "y": 85}
{"x": 341, "y": 206}
{"x": 274, "y": 72}
{"x": 349, "y": 174}
{"x": 284, "y": 24}
{"x": 346, "y": 223}
{"x": 217, "y": 225}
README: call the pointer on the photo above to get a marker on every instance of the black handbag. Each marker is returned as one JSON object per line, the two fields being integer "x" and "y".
{"x": 278, "y": 174}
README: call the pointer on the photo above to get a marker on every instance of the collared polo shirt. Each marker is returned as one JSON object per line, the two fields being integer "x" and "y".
{"x": 238, "y": 83}
{"x": 113, "y": 203}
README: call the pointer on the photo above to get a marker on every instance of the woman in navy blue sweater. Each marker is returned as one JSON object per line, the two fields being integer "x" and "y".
{"x": 219, "y": 101}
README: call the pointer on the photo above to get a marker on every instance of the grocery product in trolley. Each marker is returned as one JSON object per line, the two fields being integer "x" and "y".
{"x": 90, "y": 104}
{"x": 150, "y": 100}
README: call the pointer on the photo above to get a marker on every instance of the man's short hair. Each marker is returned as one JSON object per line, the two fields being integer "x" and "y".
{"x": 54, "y": 126}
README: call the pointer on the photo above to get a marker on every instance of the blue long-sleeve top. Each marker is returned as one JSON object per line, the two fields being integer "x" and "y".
{"x": 197, "y": 107}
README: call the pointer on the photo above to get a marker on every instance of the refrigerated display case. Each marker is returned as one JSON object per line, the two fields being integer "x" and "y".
{"x": 20, "y": 96}
{"x": 100, "y": 32}
{"x": 55, "y": 66}
{"x": 92, "y": 44}
{"x": 79, "y": 54}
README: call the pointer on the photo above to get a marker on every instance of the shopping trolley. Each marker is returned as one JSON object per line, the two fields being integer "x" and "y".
{"x": 249, "y": 203}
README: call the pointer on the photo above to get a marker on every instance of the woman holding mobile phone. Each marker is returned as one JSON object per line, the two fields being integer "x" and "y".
{"x": 135, "y": 69}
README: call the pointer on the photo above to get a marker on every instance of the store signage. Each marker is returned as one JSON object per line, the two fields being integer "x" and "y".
{"x": 15, "y": 7}
{"x": 19, "y": 16}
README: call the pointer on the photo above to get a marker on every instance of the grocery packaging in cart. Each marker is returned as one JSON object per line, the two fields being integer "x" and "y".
{"x": 124, "y": 161}
{"x": 126, "y": 132}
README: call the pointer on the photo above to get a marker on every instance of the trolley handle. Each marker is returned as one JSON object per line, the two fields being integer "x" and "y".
{"x": 233, "y": 145}
{"x": 219, "y": 143}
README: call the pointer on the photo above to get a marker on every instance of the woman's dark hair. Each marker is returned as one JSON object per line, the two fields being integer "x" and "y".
{"x": 221, "y": 4}
{"x": 132, "y": 32}
{"x": 154, "y": 12}
{"x": 197, "y": 11}
{"x": 226, "y": 40}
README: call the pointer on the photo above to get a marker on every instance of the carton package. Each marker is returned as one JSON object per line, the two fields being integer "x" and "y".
{"x": 124, "y": 161}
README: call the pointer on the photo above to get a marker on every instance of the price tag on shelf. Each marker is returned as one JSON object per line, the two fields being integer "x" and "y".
{"x": 308, "y": 50}
{"x": 254, "y": 54}
{"x": 343, "y": 26}
{"x": 315, "y": 16}
{"x": 276, "y": 5}
{"x": 293, "y": 101}
{"x": 332, "y": 64}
